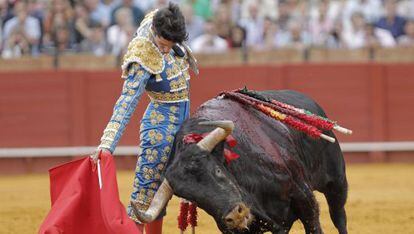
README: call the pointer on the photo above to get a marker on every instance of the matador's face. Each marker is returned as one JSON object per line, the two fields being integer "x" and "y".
{"x": 163, "y": 44}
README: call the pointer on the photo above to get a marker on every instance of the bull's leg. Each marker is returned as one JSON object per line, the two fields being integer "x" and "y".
{"x": 335, "y": 195}
{"x": 307, "y": 209}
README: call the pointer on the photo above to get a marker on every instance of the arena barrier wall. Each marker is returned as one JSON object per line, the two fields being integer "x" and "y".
{"x": 65, "y": 108}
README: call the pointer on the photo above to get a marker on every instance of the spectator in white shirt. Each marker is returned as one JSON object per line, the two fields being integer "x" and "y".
{"x": 16, "y": 44}
{"x": 26, "y": 26}
{"x": 321, "y": 24}
{"x": 119, "y": 34}
{"x": 335, "y": 38}
{"x": 265, "y": 8}
{"x": 96, "y": 42}
{"x": 98, "y": 12}
{"x": 222, "y": 18}
{"x": 253, "y": 26}
{"x": 144, "y": 5}
{"x": 408, "y": 38}
{"x": 209, "y": 42}
{"x": 359, "y": 34}
{"x": 137, "y": 13}
{"x": 296, "y": 37}
{"x": 405, "y": 8}
{"x": 371, "y": 10}
{"x": 378, "y": 37}
{"x": 353, "y": 31}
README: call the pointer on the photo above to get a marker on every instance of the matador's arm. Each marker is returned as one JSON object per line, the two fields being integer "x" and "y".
{"x": 132, "y": 90}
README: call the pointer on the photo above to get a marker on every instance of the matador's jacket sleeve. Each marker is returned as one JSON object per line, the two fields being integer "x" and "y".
{"x": 135, "y": 81}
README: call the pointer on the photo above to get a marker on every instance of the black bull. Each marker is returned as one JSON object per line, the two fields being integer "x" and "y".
{"x": 271, "y": 185}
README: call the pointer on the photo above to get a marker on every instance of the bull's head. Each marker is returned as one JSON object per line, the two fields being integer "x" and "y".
{"x": 197, "y": 174}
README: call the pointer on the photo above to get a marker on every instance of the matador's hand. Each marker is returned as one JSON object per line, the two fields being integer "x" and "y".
{"x": 95, "y": 155}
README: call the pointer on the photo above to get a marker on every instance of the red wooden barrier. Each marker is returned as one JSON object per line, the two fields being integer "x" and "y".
{"x": 71, "y": 108}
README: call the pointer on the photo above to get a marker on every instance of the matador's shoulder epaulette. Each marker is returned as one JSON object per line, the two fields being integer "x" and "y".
{"x": 144, "y": 52}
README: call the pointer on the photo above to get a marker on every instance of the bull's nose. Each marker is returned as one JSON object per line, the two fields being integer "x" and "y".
{"x": 239, "y": 217}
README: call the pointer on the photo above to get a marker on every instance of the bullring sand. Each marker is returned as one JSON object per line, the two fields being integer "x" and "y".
{"x": 380, "y": 200}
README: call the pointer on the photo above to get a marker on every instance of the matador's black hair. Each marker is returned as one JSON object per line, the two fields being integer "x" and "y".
{"x": 169, "y": 23}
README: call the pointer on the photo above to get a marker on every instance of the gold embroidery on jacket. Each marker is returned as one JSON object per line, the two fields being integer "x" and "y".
{"x": 168, "y": 97}
{"x": 178, "y": 84}
{"x": 169, "y": 59}
{"x": 173, "y": 71}
{"x": 142, "y": 51}
{"x": 109, "y": 134}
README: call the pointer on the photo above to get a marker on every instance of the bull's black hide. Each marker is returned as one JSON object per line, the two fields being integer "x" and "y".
{"x": 275, "y": 176}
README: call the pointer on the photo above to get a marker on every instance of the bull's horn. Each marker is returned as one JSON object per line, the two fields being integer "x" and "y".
{"x": 160, "y": 200}
{"x": 224, "y": 129}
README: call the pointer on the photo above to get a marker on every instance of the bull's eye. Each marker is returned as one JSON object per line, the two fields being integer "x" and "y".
{"x": 218, "y": 172}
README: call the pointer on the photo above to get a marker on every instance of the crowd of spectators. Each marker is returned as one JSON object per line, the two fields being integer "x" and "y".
{"x": 33, "y": 27}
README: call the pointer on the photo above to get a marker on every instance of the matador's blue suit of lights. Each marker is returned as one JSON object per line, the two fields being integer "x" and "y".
{"x": 165, "y": 78}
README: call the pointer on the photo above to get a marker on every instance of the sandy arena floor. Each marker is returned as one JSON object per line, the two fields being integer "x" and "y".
{"x": 381, "y": 200}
